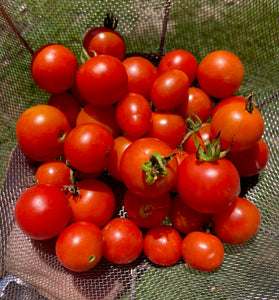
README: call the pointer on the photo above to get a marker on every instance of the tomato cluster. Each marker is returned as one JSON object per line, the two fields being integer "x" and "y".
{"x": 158, "y": 131}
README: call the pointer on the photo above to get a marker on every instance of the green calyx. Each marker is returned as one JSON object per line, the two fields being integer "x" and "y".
{"x": 192, "y": 126}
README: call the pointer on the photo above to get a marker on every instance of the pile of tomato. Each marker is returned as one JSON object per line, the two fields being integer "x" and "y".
{"x": 175, "y": 135}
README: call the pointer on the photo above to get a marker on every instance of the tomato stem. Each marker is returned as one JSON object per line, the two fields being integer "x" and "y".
{"x": 110, "y": 21}
{"x": 250, "y": 102}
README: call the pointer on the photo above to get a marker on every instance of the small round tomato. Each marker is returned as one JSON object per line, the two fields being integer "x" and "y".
{"x": 41, "y": 131}
{"x": 102, "y": 80}
{"x": 141, "y": 75}
{"x": 162, "y": 245}
{"x": 104, "y": 116}
{"x": 237, "y": 223}
{"x": 220, "y": 74}
{"x": 79, "y": 247}
{"x": 202, "y": 251}
{"x": 227, "y": 100}
{"x": 168, "y": 127}
{"x": 133, "y": 114}
{"x": 180, "y": 59}
{"x": 42, "y": 211}
{"x": 89, "y": 147}
{"x": 123, "y": 241}
{"x": 147, "y": 212}
{"x": 54, "y": 68}
{"x": 169, "y": 90}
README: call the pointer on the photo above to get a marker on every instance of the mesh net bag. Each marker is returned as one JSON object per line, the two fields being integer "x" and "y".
{"x": 250, "y": 29}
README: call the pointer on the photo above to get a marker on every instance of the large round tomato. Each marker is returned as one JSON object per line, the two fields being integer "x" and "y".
{"x": 79, "y": 247}
{"x": 207, "y": 187}
{"x": 102, "y": 80}
{"x": 123, "y": 241}
{"x": 220, "y": 74}
{"x": 155, "y": 181}
{"x": 54, "y": 68}
{"x": 89, "y": 147}
{"x": 41, "y": 131}
{"x": 237, "y": 223}
{"x": 42, "y": 211}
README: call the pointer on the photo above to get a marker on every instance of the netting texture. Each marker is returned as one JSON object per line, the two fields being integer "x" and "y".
{"x": 250, "y": 29}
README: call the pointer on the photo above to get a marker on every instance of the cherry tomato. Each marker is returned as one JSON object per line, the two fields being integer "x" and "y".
{"x": 141, "y": 75}
{"x": 79, "y": 247}
{"x": 104, "y": 116}
{"x": 76, "y": 93}
{"x": 207, "y": 187}
{"x": 54, "y": 68}
{"x": 220, "y": 74}
{"x": 147, "y": 212}
{"x": 68, "y": 104}
{"x": 162, "y": 245}
{"x": 89, "y": 147}
{"x": 202, "y": 251}
{"x": 41, "y": 131}
{"x": 227, "y": 100}
{"x": 184, "y": 218}
{"x": 94, "y": 202}
{"x": 238, "y": 222}
{"x": 169, "y": 90}
{"x": 134, "y": 177}
{"x": 180, "y": 59}
{"x": 42, "y": 211}
{"x": 123, "y": 241}
{"x": 168, "y": 127}
{"x": 133, "y": 114}
{"x": 102, "y": 80}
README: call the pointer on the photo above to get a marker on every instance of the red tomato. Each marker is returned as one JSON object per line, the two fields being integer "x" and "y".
{"x": 133, "y": 114}
{"x": 207, "y": 187}
{"x": 220, "y": 74}
{"x": 94, "y": 202}
{"x": 238, "y": 222}
{"x": 76, "y": 93}
{"x": 202, "y": 251}
{"x": 147, "y": 212}
{"x": 226, "y": 101}
{"x": 180, "y": 60}
{"x": 79, "y": 247}
{"x": 162, "y": 245}
{"x": 42, "y": 211}
{"x": 89, "y": 147}
{"x": 41, "y": 131}
{"x": 102, "y": 80}
{"x": 184, "y": 218}
{"x": 104, "y": 116}
{"x": 168, "y": 127}
{"x": 54, "y": 68}
{"x": 54, "y": 172}
{"x": 135, "y": 155}
{"x": 123, "y": 241}
{"x": 68, "y": 104}
{"x": 141, "y": 75}
{"x": 169, "y": 90}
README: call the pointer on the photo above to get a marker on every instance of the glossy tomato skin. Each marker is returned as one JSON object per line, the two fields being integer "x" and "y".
{"x": 141, "y": 75}
{"x": 220, "y": 74}
{"x": 133, "y": 114}
{"x": 123, "y": 241}
{"x": 207, "y": 187}
{"x": 133, "y": 176}
{"x": 42, "y": 211}
{"x": 94, "y": 203}
{"x": 237, "y": 223}
{"x": 102, "y": 80}
{"x": 89, "y": 147}
{"x": 54, "y": 68}
{"x": 162, "y": 245}
{"x": 227, "y": 100}
{"x": 168, "y": 127}
{"x": 202, "y": 251}
{"x": 79, "y": 247}
{"x": 180, "y": 59}
{"x": 147, "y": 212}
{"x": 41, "y": 131}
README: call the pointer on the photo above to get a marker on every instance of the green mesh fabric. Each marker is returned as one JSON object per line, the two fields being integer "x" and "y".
{"x": 250, "y": 29}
